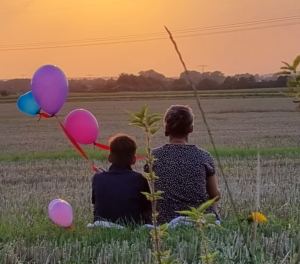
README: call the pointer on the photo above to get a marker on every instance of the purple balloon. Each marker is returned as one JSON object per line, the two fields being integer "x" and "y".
{"x": 61, "y": 212}
{"x": 49, "y": 86}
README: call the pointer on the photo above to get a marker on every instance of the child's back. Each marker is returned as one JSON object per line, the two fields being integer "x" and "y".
{"x": 186, "y": 173}
{"x": 116, "y": 194}
{"x": 183, "y": 172}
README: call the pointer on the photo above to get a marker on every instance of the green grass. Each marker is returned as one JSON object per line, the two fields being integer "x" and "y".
{"x": 28, "y": 234}
{"x": 119, "y": 96}
{"x": 250, "y": 152}
{"x": 132, "y": 245}
{"x": 102, "y": 155}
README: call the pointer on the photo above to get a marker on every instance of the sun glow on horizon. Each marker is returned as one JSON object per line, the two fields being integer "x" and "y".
{"x": 126, "y": 31}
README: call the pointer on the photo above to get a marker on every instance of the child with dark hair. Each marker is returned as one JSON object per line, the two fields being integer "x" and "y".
{"x": 117, "y": 194}
{"x": 186, "y": 172}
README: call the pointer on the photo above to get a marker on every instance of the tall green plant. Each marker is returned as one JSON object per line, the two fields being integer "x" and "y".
{"x": 293, "y": 82}
{"x": 202, "y": 221}
{"x": 149, "y": 123}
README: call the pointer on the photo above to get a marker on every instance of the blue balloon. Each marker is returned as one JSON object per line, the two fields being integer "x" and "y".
{"x": 27, "y": 104}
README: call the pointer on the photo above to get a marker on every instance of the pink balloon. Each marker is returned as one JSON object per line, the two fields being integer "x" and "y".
{"x": 52, "y": 203}
{"x": 61, "y": 212}
{"x": 82, "y": 126}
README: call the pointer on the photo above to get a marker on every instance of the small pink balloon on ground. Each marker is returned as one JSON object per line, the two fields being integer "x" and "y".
{"x": 52, "y": 203}
{"x": 83, "y": 126}
{"x": 61, "y": 212}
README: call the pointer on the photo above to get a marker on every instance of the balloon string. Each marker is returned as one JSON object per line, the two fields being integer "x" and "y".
{"x": 72, "y": 140}
{"x": 108, "y": 148}
{"x": 140, "y": 157}
{"x": 101, "y": 146}
{"x": 44, "y": 115}
{"x": 75, "y": 144}
{"x": 72, "y": 228}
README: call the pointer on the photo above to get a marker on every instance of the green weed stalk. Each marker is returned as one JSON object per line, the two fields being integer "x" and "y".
{"x": 293, "y": 83}
{"x": 149, "y": 124}
{"x": 202, "y": 222}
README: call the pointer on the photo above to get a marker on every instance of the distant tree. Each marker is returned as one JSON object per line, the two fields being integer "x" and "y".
{"x": 98, "y": 82}
{"x": 110, "y": 84}
{"x": 123, "y": 78}
{"x": 4, "y": 93}
{"x": 230, "y": 83}
{"x": 153, "y": 74}
{"x": 15, "y": 85}
{"x": 134, "y": 80}
{"x": 281, "y": 81}
{"x": 194, "y": 75}
{"x": 217, "y": 76}
{"x": 242, "y": 75}
{"x": 208, "y": 84}
{"x": 179, "y": 85}
{"x": 243, "y": 83}
{"x": 179, "y": 82}
{"x": 143, "y": 81}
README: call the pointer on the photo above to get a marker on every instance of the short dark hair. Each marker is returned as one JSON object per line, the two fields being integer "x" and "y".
{"x": 122, "y": 149}
{"x": 178, "y": 120}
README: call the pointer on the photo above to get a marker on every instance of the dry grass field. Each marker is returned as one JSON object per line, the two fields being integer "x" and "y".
{"x": 38, "y": 164}
{"x": 159, "y": 95}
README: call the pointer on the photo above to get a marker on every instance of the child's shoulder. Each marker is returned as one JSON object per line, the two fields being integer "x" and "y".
{"x": 99, "y": 174}
{"x": 202, "y": 152}
{"x": 157, "y": 148}
{"x": 176, "y": 148}
{"x": 160, "y": 149}
{"x": 136, "y": 174}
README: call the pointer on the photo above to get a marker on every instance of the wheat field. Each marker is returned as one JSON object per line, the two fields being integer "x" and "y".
{"x": 38, "y": 164}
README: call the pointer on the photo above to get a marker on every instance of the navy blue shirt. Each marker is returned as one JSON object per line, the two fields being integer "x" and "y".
{"x": 117, "y": 196}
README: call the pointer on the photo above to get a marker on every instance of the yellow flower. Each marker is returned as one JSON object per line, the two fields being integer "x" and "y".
{"x": 258, "y": 217}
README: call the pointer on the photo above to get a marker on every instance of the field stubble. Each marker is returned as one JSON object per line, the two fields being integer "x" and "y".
{"x": 27, "y": 186}
{"x": 242, "y": 123}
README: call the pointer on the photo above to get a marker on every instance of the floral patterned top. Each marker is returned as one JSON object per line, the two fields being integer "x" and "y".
{"x": 182, "y": 172}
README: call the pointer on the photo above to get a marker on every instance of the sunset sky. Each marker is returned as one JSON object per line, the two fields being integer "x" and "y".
{"x": 32, "y": 26}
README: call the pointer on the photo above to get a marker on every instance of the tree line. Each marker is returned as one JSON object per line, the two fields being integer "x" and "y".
{"x": 153, "y": 81}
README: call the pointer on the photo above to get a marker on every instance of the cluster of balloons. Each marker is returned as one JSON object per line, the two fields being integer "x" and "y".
{"x": 49, "y": 91}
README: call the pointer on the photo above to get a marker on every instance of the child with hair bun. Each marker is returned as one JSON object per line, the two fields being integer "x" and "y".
{"x": 186, "y": 172}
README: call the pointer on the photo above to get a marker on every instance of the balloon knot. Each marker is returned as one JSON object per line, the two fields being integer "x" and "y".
{"x": 40, "y": 116}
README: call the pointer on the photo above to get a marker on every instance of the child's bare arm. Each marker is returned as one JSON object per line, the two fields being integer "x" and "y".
{"x": 213, "y": 189}
{"x": 147, "y": 216}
